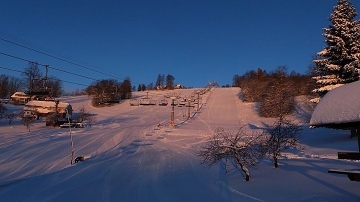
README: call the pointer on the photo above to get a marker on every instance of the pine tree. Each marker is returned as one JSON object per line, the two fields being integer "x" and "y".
{"x": 170, "y": 81}
{"x": 339, "y": 61}
{"x": 126, "y": 88}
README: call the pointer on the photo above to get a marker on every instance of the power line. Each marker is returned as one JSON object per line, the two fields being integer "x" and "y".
{"x": 12, "y": 56}
{"x": 19, "y": 58}
{"x": 61, "y": 59}
{"x": 58, "y": 58}
{"x": 73, "y": 73}
{"x": 14, "y": 70}
{"x": 54, "y": 68}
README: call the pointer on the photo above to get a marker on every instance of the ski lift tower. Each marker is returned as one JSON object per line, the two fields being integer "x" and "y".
{"x": 198, "y": 100}
{"x": 172, "y": 122}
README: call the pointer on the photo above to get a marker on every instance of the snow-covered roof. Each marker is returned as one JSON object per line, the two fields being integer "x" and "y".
{"x": 339, "y": 106}
{"x": 19, "y": 94}
{"x": 46, "y": 104}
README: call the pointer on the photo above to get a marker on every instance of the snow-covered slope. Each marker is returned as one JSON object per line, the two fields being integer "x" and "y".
{"x": 129, "y": 158}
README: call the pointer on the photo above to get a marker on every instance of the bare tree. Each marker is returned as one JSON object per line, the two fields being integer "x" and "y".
{"x": 54, "y": 85}
{"x": 28, "y": 121}
{"x": 9, "y": 85}
{"x": 51, "y": 119}
{"x": 4, "y": 86}
{"x": 239, "y": 151}
{"x": 10, "y": 117}
{"x": 32, "y": 73}
{"x": 2, "y": 110}
{"x": 85, "y": 115}
{"x": 283, "y": 135}
{"x": 103, "y": 91}
{"x": 279, "y": 98}
{"x": 15, "y": 84}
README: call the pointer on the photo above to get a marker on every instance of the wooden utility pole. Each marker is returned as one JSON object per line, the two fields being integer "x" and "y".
{"x": 188, "y": 118}
{"x": 172, "y": 122}
{"x": 358, "y": 136}
{"x": 198, "y": 101}
{"x": 71, "y": 139}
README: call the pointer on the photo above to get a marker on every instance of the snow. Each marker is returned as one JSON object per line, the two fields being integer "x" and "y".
{"x": 46, "y": 106}
{"x": 340, "y": 105}
{"x": 129, "y": 158}
{"x": 47, "y": 103}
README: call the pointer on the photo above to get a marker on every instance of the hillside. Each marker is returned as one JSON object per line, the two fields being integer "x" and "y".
{"x": 129, "y": 157}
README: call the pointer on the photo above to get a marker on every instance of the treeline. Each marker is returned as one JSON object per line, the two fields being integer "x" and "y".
{"x": 32, "y": 80}
{"x": 161, "y": 83}
{"x": 9, "y": 85}
{"x": 109, "y": 91}
{"x": 274, "y": 91}
{"x": 104, "y": 91}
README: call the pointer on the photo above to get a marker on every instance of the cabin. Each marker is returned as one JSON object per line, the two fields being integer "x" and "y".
{"x": 20, "y": 98}
{"x": 43, "y": 108}
{"x": 340, "y": 109}
{"x": 178, "y": 86}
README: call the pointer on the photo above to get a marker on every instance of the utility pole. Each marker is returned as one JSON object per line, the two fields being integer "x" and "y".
{"x": 71, "y": 138}
{"x": 198, "y": 101}
{"x": 56, "y": 111}
{"x": 188, "y": 118}
{"x": 172, "y": 122}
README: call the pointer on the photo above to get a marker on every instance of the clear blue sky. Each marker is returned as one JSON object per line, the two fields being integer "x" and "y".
{"x": 195, "y": 41}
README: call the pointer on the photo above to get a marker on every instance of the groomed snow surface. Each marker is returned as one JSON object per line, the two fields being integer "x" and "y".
{"x": 129, "y": 158}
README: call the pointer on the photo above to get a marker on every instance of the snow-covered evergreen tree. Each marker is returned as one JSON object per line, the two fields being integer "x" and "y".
{"x": 338, "y": 63}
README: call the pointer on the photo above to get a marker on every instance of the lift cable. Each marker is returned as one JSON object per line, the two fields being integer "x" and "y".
{"x": 47, "y": 66}
{"x": 58, "y": 58}
{"x": 14, "y": 70}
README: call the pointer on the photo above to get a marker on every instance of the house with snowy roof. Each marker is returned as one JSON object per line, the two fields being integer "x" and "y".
{"x": 20, "y": 98}
{"x": 339, "y": 109}
{"x": 43, "y": 108}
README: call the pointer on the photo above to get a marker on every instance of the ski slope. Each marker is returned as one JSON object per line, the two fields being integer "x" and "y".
{"x": 133, "y": 154}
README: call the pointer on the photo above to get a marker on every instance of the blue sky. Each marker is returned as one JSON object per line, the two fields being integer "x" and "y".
{"x": 195, "y": 41}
